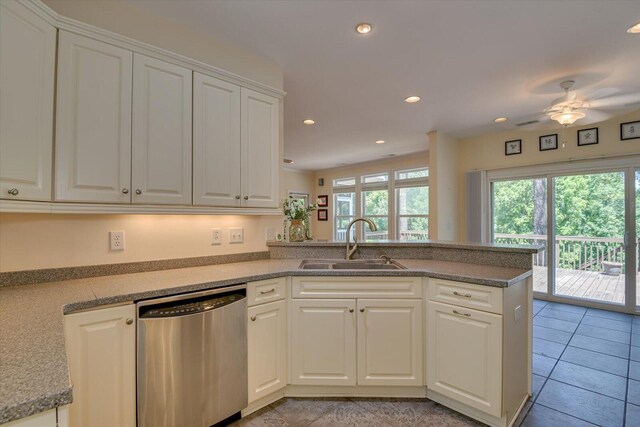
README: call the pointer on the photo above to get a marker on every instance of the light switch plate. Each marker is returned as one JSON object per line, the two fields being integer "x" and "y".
{"x": 236, "y": 235}
{"x": 269, "y": 234}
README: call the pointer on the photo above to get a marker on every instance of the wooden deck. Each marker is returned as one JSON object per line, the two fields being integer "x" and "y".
{"x": 583, "y": 284}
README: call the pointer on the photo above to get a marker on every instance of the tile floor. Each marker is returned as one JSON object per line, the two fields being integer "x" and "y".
{"x": 586, "y": 371}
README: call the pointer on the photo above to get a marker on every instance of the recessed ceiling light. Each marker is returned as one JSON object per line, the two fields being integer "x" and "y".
{"x": 500, "y": 120}
{"x": 309, "y": 122}
{"x": 364, "y": 28}
{"x": 411, "y": 99}
{"x": 634, "y": 29}
{"x": 380, "y": 142}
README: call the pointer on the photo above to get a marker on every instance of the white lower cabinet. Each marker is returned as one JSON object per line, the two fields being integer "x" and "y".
{"x": 101, "y": 349}
{"x": 464, "y": 356}
{"x": 390, "y": 342}
{"x": 267, "y": 348}
{"x": 323, "y": 342}
{"x": 48, "y": 418}
{"x": 368, "y": 340}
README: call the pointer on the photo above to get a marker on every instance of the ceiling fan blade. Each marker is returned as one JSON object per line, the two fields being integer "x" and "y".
{"x": 618, "y": 101}
{"x": 594, "y": 116}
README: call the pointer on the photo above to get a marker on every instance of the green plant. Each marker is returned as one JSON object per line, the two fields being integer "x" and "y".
{"x": 295, "y": 208}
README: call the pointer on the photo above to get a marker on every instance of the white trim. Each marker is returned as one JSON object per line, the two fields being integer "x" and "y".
{"x": 8, "y": 206}
{"x": 87, "y": 30}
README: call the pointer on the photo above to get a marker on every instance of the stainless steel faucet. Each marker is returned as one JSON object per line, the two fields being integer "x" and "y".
{"x": 351, "y": 251}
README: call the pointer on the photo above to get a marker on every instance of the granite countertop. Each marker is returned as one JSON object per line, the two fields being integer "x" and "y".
{"x": 34, "y": 374}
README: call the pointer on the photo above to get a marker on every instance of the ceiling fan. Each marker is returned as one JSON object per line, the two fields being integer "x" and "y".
{"x": 600, "y": 105}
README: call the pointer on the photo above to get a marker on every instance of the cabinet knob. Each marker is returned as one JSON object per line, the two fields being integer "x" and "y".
{"x": 246, "y": 197}
{"x": 362, "y": 310}
{"x": 138, "y": 191}
{"x": 237, "y": 196}
{"x": 13, "y": 191}
{"x": 351, "y": 310}
{"x": 253, "y": 318}
{"x": 129, "y": 321}
{"x": 125, "y": 191}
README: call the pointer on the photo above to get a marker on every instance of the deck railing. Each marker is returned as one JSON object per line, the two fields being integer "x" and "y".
{"x": 384, "y": 235}
{"x": 572, "y": 252}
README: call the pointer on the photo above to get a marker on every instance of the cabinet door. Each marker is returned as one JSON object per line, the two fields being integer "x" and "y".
{"x": 267, "y": 345}
{"x": 161, "y": 171}
{"x": 464, "y": 356}
{"x": 216, "y": 142}
{"x": 390, "y": 342}
{"x": 260, "y": 147}
{"x": 323, "y": 347}
{"x": 93, "y": 121}
{"x": 101, "y": 348}
{"x": 27, "y": 61}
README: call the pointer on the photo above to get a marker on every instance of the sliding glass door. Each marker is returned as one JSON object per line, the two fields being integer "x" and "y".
{"x": 586, "y": 219}
{"x": 589, "y": 223}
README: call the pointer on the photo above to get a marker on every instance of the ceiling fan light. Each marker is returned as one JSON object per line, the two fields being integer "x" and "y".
{"x": 567, "y": 118}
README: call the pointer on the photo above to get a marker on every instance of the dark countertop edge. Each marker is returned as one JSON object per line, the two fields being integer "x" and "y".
{"x": 527, "y": 249}
{"x": 139, "y": 296}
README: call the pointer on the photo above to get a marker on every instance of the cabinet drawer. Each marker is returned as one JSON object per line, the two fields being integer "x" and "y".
{"x": 485, "y": 298}
{"x": 356, "y": 287}
{"x": 266, "y": 291}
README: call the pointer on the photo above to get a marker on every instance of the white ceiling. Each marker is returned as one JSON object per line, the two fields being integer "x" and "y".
{"x": 470, "y": 61}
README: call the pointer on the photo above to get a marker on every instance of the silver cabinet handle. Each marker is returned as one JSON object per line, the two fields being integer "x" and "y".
{"x": 129, "y": 321}
{"x": 268, "y": 292}
{"x": 362, "y": 310}
{"x": 138, "y": 191}
{"x": 246, "y": 197}
{"x": 458, "y": 294}
{"x": 13, "y": 191}
{"x": 253, "y": 318}
{"x": 237, "y": 197}
{"x": 461, "y": 314}
{"x": 351, "y": 310}
{"x": 125, "y": 191}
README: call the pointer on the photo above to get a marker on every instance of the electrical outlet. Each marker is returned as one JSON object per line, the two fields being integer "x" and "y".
{"x": 216, "y": 236}
{"x": 236, "y": 235}
{"x": 116, "y": 240}
{"x": 269, "y": 234}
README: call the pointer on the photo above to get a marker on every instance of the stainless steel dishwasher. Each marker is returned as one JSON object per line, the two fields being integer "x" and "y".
{"x": 192, "y": 358}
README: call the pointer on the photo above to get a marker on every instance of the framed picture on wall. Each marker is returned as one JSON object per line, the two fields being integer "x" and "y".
{"x": 548, "y": 142}
{"x": 513, "y": 147}
{"x": 323, "y": 200}
{"x": 629, "y": 130}
{"x": 587, "y": 136}
{"x": 322, "y": 214}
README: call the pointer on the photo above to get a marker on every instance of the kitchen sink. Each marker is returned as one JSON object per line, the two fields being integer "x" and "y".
{"x": 361, "y": 264}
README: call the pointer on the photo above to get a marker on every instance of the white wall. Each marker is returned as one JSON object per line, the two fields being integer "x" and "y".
{"x": 443, "y": 186}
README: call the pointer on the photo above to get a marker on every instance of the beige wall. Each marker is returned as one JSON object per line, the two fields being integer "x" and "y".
{"x": 443, "y": 186}
{"x": 486, "y": 152}
{"x": 324, "y": 229}
{"x": 127, "y": 20}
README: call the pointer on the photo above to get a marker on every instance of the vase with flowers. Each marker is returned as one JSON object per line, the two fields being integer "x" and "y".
{"x": 298, "y": 215}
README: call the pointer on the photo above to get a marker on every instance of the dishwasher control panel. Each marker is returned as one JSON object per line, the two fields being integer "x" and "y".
{"x": 192, "y": 306}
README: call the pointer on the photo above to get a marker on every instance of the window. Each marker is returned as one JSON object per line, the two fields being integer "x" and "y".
{"x": 397, "y": 202}
{"x": 412, "y": 204}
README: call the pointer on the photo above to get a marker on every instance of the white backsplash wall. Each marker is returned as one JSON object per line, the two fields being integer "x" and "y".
{"x": 34, "y": 241}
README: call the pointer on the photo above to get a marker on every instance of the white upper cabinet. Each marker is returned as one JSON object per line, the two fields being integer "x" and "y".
{"x": 27, "y": 69}
{"x": 260, "y": 132}
{"x": 216, "y": 142}
{"x": 93, "y": 121}
{"x": 161, "y": 135}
